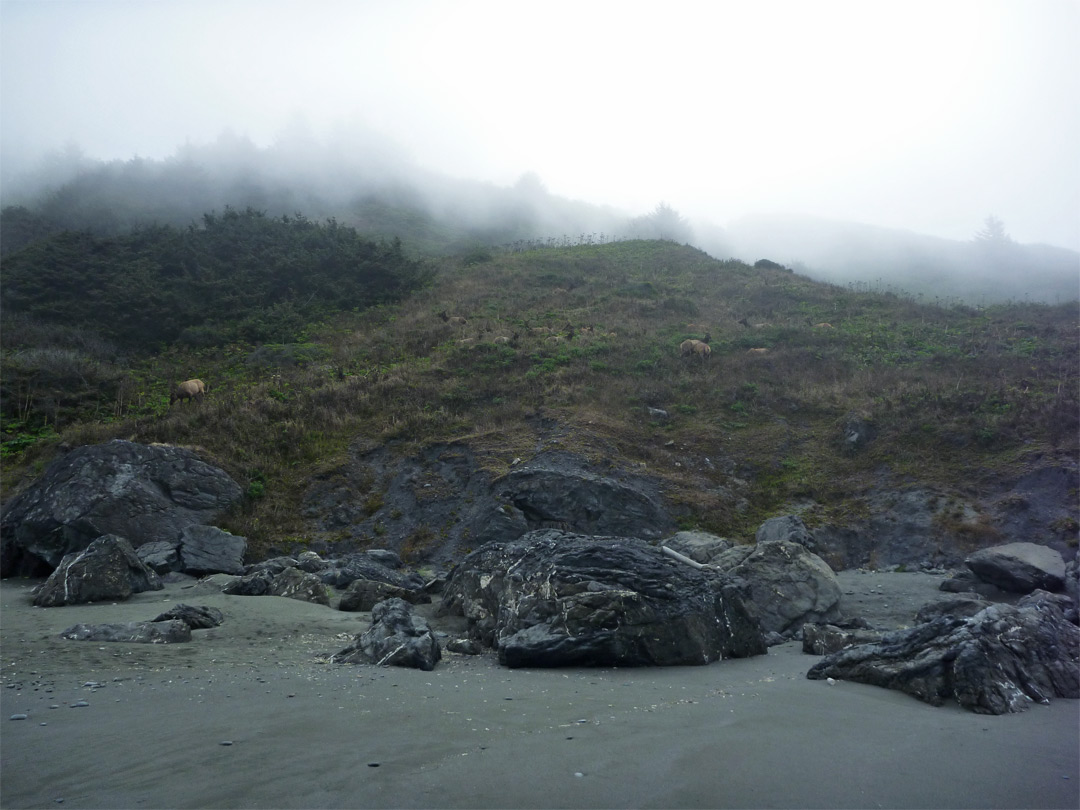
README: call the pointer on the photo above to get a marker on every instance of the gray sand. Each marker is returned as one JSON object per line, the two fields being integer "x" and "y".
{"x": 305, "y": 733}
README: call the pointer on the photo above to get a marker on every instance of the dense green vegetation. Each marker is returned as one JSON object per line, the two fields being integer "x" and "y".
{"x": 956, "y": 395}
{"x": 239, "y": 276}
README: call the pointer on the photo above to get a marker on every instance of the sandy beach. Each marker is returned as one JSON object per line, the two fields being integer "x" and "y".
{"x": 253, "y": 714}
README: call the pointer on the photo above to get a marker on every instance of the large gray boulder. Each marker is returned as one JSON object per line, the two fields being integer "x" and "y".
{"x": 396, "y": 637}
{"x": 787, "y": 584}
{"x": 141, "y": 492}
{"x": 553, "y": 598}
{"x": 999, "y": 660}
{"x": 108, "y": 570}
{"x": 209, "y": 550}
{"x": 1019, "y": 567}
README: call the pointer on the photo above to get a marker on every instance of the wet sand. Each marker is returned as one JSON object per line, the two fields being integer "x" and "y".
{"x": 305, "y": 733}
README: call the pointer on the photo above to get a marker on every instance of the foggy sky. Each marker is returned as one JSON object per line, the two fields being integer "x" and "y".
{"x": 925, "y": 115}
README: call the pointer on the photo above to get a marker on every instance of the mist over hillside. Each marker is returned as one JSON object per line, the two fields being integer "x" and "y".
{"x": 979, "y": 271}
{"x": 363, "y": 181}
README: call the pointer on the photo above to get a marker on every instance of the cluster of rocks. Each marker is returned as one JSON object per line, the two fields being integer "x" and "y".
{"x": 990, "y": 657}
{"x": 999, "y": 660}
{"x": 171, "y": 627}
{"x": 113, "y": 520}
{"x": 144, "y": 493}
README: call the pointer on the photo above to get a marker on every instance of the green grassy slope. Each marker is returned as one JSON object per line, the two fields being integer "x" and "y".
{"x": 955, "y": 395}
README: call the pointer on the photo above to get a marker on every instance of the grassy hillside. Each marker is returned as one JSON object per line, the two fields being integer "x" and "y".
{"x": 957, "y": 397}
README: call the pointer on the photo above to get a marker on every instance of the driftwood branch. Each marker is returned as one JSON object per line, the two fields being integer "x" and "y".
{"x": 681, "y": 558}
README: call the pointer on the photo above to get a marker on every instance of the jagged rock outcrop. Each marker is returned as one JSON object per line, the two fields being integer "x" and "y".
{"x": 364, "y": 594}
{"x": 141, "y": 492}
{"x": 895, "y": 523}
{"x": 446, "y": 486}
{"x": 553, "y": 598}
{"x": 1019, "y": 567}
{"x": 397, "y": 637}
{"x": 107, "y": 570}
{"x": 999, "y": 660}
{"x": 172, "y": 631}
{"x": 787, "y": 584}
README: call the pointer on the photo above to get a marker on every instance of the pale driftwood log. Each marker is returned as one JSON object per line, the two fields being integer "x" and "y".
{"x": 682, "y": 558}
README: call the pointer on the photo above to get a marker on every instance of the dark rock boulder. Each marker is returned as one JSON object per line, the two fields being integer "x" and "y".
{"x": 291, "y": 583}
{"x": 161, "y": 555}
{"x": 557, "y": 490}
{"x": 274, "y": 565}
{"x": 385, "y": 557}
{"x": 787, "y": 584}
{"x": 464, "y": 646}
{"x": 997, "y": 661}
{"x": 257, "y": 583}
{"x": 137, "y": 491}
{"x": 209, "y": 550}
{"x": 340, "y": 572}
{"x": 965, "y": 581}
{"x": 396, "y": 637}
{"x": 311, "y": 562}
{"x": 363, "y": 594}
{"x": 1019, "y": 567}
{"x": 107, "y": 570}
{"x": 856, "y": 433}
{"x": 786, "y": 527}
{"x": 700, "y": 547}
{"x": 553, "y": 598}
{"x": 197, "y": 618}
{"x": 155, "y": 632}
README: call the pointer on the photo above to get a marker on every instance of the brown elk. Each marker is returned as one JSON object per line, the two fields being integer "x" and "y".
{"x": 189, "y": 389}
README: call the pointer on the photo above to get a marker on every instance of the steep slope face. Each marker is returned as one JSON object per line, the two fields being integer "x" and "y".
{"x": 546, "y": 387}
{"x": 440, "y": 503}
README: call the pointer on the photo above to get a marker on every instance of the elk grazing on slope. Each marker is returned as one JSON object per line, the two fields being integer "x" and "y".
{"x": 189, "y": 389}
